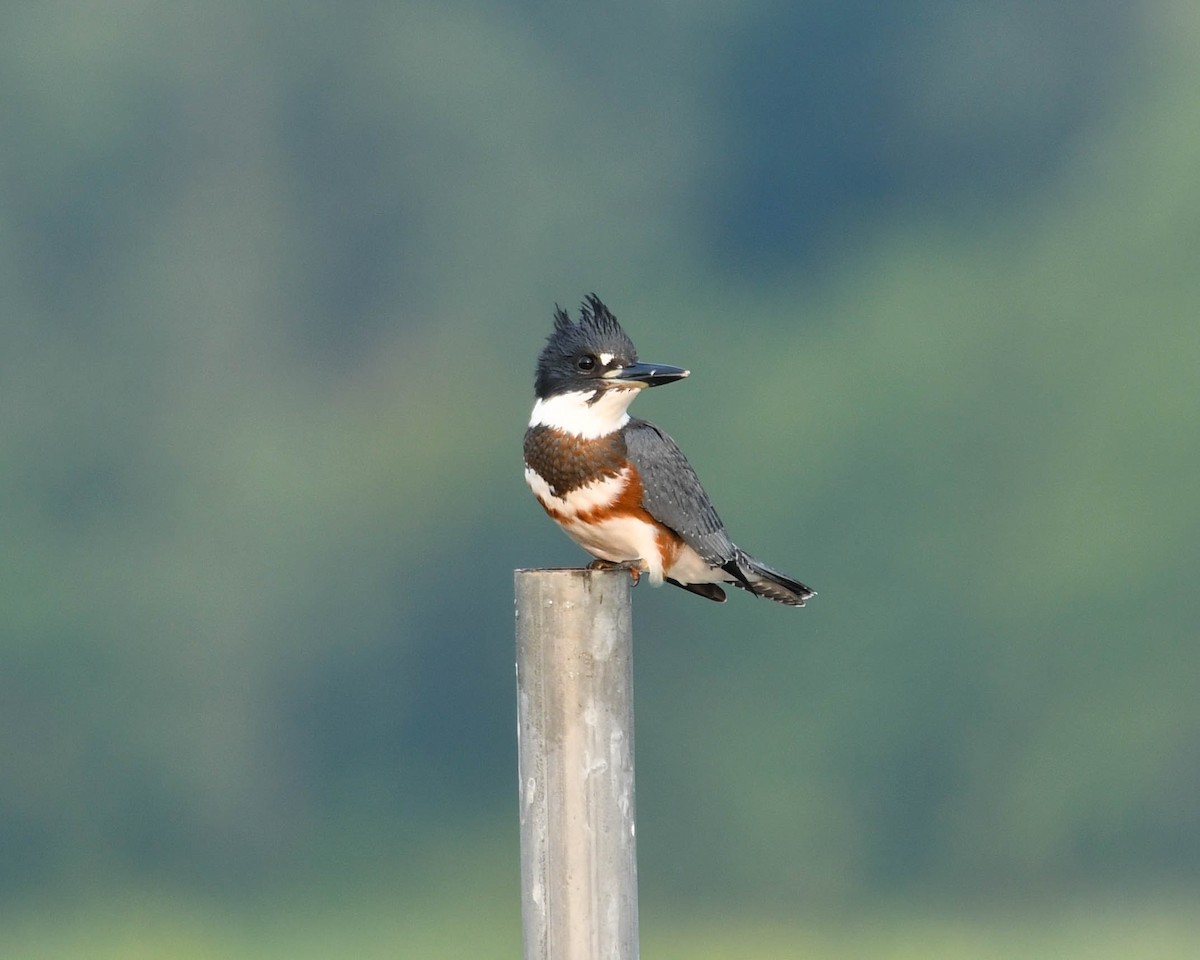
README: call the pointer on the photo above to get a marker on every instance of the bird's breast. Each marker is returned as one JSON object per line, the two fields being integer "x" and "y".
{"x": 566, "y": 462}
{"x": 581, "y": 479}
{"x": 595, "y": 494}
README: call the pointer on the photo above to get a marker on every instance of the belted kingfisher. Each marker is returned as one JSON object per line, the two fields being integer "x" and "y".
{"x": 618, "y": 486}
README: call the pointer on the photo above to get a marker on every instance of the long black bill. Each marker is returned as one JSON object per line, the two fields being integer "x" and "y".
{"x": 649, "y": 374}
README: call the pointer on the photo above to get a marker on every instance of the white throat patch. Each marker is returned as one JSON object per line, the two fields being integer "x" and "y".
{"x": 571, "y": 412}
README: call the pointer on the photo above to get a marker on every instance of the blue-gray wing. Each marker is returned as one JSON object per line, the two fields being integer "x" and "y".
{"x": 671, "y": 492}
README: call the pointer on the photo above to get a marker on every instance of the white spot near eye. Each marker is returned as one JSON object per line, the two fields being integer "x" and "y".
{"x": 605, "y": 359}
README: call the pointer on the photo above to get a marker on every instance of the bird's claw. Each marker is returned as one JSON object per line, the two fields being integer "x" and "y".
{"x": 635, "y": 570}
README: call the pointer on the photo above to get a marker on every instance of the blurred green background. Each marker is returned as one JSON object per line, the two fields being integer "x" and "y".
{"x": 273, "y": 278}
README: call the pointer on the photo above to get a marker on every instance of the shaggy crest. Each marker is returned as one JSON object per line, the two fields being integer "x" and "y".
{"x": 596, "y": 331}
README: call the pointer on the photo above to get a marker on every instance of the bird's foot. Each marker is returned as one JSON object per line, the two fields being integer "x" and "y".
{"x": 633, "y": 566}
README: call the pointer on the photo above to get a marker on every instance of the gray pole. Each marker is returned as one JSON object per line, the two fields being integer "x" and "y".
{"x": 575, "y": 739}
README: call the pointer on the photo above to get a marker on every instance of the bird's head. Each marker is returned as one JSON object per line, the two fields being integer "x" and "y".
{"x": 594, "y": 356}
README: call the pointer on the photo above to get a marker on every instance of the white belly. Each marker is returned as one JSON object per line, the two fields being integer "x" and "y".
{"x": 620, "y": 540}
{"x": 626, "y": 539}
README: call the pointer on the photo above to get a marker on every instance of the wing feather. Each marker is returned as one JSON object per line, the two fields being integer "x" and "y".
{"x": 672, "y": 493}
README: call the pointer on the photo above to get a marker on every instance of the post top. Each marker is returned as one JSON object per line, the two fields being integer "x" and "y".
{"x": 559, "y": 570}
{"x": 582, "y": 573}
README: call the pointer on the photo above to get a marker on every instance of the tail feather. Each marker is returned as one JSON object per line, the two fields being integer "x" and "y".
{"x": 709, "y": 591}
{"x": 763, "y": 581}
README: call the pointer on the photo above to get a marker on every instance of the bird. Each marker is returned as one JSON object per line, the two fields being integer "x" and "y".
{"x": 618, "y": 486}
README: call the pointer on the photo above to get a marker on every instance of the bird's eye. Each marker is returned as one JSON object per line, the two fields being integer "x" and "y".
{"x": 586, "y": 362}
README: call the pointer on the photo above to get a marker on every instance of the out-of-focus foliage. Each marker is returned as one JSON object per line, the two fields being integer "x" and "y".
{"x": 272, "y": 281}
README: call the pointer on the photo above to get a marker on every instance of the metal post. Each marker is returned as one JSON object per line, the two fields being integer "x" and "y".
{"x": 575, "y": 739}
